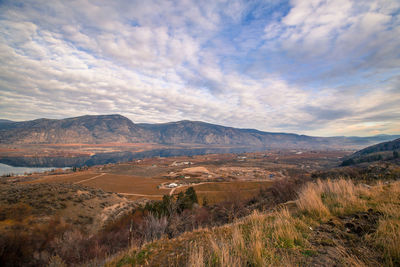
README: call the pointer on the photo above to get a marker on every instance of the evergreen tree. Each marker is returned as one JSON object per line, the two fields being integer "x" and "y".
{"x": 180, "y": 202}
{"x": 191, "y": 195}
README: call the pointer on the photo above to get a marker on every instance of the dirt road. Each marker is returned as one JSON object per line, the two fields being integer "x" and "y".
{"x": 97, "y": 176}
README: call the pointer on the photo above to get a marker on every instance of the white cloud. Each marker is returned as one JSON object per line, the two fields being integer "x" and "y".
{"x": 337, "y": 29}
{"x": 159, "y": 61}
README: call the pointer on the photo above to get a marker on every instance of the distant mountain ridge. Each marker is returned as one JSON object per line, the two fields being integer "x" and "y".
{"x": 205, "y": 133}
{"x": 84, "y": 129}
{"x": 96, "y": 129}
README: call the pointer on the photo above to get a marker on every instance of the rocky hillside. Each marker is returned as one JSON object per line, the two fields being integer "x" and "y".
{"x": 116, "y": 128}
{"x": 196, "y": 132}
{"x": 85, "y": 129}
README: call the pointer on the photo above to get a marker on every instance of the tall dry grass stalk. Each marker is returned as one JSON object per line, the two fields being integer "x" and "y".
{"x": 387, "y": 236}
{"x": 223, "y": 254}
{"x": 238, "y": 244}
{"x": 196, "y": 256}
{"x": 256, "y": 244}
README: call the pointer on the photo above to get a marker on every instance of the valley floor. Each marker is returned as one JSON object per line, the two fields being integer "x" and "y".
{"x": 216, "y": 177}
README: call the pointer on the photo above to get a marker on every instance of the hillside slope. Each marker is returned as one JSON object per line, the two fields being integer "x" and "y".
{"x": 385, "y": 146}
{"x": 382, "y": 151}
{"x": 40, "y": 220}
{"x": 332, "y": 223}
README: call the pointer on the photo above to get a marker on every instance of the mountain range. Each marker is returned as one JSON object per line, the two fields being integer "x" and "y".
{"x": 97, "y": 129}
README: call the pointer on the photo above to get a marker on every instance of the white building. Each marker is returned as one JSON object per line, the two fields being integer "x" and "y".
{"x": 172, "y": 185}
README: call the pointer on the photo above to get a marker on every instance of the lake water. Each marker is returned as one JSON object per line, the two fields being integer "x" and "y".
{"x": 7, "y": 169}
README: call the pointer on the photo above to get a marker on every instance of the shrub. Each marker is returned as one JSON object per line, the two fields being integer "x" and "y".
{"x": 154, "y": 227}
{"x": 24, "y": 239}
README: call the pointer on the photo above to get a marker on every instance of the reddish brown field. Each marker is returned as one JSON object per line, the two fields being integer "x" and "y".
{"x": 128, "y": 184}
{"x": 227, "y": 191}
{"x": 65, "y": 178}
{"x": 132, "y": 187}
{"x": 216, "y": 177}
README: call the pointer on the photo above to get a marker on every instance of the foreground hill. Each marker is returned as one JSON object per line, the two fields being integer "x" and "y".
{"x": 382, "y": 151}
{"x": 332, "y": 223}
{"x": 40, "y": 220}
{"x": 119, "y": 129}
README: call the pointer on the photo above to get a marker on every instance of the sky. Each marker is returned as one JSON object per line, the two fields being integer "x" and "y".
{"x": 315, "y": 67}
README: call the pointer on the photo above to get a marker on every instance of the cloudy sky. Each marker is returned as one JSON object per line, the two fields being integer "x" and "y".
{"x": 306, "y": 66}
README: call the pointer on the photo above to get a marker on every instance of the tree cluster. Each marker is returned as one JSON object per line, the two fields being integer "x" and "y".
{"x": 171, "y": 205}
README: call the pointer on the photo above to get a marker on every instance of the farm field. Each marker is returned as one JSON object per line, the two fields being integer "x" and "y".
{"x": 65, "y": 178}
{"x": 130, "y": 186}
{"x": 215, "y": 177}
{"x": 226, "y": 191}
{"x": 125, "y": 184}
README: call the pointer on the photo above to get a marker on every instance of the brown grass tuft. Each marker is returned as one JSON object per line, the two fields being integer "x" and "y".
{"x": 310, "y": 201}
{"x": 323, "y": 199}
{"x": 196, "y": 258}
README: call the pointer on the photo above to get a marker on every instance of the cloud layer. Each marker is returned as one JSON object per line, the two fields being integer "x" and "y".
{"x": 298, "y": 66}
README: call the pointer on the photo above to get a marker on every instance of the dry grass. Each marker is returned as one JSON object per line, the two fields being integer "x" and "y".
{"x": 323, "y": 199}
{"x": 310, "y": 201}
{"x": 196, "y": 258}
{"x": 282, "y": 237}
{"x": 387, "y": 237}
{"x": 259, "y": 240}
